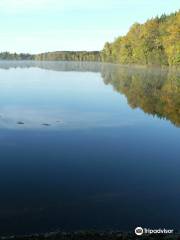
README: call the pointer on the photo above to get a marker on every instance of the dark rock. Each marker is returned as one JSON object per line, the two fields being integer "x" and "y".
{"x": 20, "y": 123}
{"x": 46, "y": 124}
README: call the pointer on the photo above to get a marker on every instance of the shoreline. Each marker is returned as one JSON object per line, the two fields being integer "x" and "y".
{"x": 89, "y": 235}
{"x": 135, "y": 66}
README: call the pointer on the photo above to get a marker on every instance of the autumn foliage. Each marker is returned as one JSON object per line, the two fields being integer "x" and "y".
{"x": 156, "y": 42}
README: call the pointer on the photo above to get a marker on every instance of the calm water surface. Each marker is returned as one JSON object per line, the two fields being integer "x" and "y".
{"x": 88, "y": 146}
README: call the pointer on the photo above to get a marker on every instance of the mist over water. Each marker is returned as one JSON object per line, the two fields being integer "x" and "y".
{"x": 88, "y": 146}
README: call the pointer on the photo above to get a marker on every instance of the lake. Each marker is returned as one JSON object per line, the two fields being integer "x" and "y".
{"x": 88, "y": 146}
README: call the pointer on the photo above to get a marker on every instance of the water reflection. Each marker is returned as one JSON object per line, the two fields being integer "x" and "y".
{"x": 155, "y": 91}
{"x": 95, "y": 170}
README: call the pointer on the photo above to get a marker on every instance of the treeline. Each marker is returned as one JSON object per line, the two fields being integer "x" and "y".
{"x": 156, "y": 42}
{"x": 69, "y": 56}
{"x": 15, "y": 56}
{"x": 94, "y": 56}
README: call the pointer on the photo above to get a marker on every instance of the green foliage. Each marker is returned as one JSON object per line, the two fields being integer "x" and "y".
{"x": 69, "y": 56}
{"x": 156, "y": 42}
{"x": 54, "y": 56}
{"x": 15, "y": 56}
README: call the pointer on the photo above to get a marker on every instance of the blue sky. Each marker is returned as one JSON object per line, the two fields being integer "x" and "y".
{"x": 46, "y": 25}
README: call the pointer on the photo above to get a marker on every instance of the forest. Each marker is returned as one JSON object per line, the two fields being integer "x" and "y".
{"x": 15, "y": 56}
{"x": 155, "y": 42}
{"x": 69, "y": 56}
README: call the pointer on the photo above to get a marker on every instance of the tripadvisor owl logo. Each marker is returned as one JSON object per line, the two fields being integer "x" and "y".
{"x": 139, "y": 231}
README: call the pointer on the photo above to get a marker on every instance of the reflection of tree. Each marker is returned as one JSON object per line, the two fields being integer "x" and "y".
{"x": 53, "y": 65}
{"x": 155, "y": 91}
